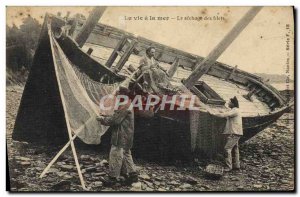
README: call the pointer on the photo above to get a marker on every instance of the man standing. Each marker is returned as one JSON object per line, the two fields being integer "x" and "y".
{"x": 233, "y": 131}
{"x": 122, "y": 128}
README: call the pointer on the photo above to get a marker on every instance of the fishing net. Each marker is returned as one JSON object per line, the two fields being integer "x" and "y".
{"x": 80, "y": 97}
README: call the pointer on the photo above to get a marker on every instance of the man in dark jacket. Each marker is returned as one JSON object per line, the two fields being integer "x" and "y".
{"x": 120, "y": 159}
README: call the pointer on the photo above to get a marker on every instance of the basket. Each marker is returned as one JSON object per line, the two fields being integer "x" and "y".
{"x": 213, "y": 171}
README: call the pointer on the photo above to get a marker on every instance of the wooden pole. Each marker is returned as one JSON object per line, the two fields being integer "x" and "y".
{"x": 66, "y": 116}
{"x": 125, "y": 56}
{"x": 173, "y": 67}
{"x": 89, "y": 25}
{"x": 205, "y": 65}
{"x": 232, "y": 73}
{"x": 114, "y": 54}
{"x": 57, "y": 156}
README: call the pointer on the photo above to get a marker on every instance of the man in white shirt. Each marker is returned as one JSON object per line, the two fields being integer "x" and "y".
{"x": 155, "y": 78}
{"x": 233, "y": 132}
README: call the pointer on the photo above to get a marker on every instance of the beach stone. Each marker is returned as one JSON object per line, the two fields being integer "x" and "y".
{"x": 61, "y": 163}
{"x": 99, "y": 174}
{"x": 67, "y": 167}
{"x": 61, "y": 174}
{"x": 25, "y": 163}
{"x": 91, "y": 169}
{"x": 53, "y": 170}
{"x": 24, "y": 158}
{"x": 158, "y": 178}
{"x": 185, "y": 186}
{"x": 136, "y": 186}
{"x": 67, "y": 176}
{"x": 149, "y": 189}
{"x": 144, "y": 176}
{"x": 284, "y": 181}
{"x": 257, "y": 186}
{"x": 240, "y": 187}
{"x": 161, "y": 190}
{"x": 98, "y": 183}
{"x": 174, "y": 183}
{"x": 84, "y": 157}
{"x": 104, "y": 162}
{"x": 234, "y": 178}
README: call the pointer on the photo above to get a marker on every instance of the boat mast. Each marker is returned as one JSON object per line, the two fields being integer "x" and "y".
{"x": 204, "y": 66}
{"x": 89, "y": 25}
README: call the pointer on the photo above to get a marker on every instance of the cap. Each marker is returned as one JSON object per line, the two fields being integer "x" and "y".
{"x": 235, "y": 101}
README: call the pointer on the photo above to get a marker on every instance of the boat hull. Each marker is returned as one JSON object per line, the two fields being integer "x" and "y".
{"x": 163, "y": 136}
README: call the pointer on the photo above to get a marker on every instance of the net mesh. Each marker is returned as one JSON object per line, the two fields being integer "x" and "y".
{"x": 81, "y": 96}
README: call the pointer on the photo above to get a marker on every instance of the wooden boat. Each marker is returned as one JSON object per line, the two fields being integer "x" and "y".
{"x": 171, "y": 135}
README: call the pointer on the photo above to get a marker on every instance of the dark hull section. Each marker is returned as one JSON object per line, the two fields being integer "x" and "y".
{"x": 167, "y": 139}
{"x": 84, "y": 62}
{"x": 161, "y": 139}
{"x": 41, "y": 116}
{"x": 254, "y": 125}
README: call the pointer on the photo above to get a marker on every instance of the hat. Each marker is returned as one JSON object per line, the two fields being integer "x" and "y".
{"x": 235, "y": 101}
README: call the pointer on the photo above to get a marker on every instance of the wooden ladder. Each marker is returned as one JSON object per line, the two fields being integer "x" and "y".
{"x": 124, "y": 55}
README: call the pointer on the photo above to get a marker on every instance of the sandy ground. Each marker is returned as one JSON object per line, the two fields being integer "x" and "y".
{"x": 267, "y": 164}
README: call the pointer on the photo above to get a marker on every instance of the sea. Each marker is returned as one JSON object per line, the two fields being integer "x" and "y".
{"x": 283, "y": 86}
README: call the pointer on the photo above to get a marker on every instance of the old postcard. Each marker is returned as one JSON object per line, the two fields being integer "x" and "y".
{"x": 150, "y": 99}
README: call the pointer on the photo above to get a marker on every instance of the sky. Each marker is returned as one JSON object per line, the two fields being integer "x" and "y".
{"x": 260, "y": 48}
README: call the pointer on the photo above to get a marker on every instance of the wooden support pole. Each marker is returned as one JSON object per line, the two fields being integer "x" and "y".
{"x": 57, "y": 156}
{"x": 173, "y": 67}
{"x": 125, "y": 56}
{"x": 249, "y": 95}
{"x": 231, "y": 74}
{"x": 205, "y": 65}
{"x": 114, "y": 54}
{"x": 66, "y": 115}
{"x": 89, "y": 25}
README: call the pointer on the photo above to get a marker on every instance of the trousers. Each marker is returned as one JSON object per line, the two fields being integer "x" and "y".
{"x": 231, "y": 149}
{"x": 120, "y": 161}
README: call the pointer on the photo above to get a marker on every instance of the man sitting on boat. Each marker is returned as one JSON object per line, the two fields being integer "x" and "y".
{"x": 233, "y": 132}
{"x": 155, "y": 78}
